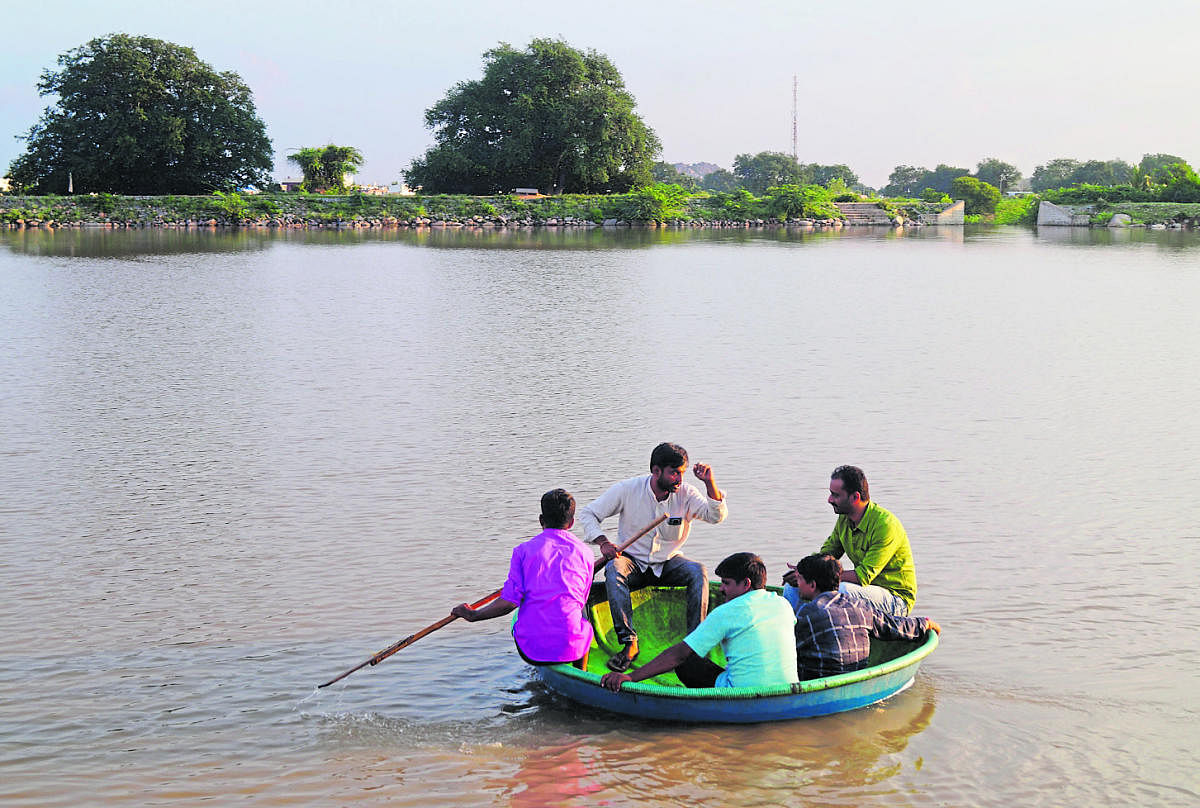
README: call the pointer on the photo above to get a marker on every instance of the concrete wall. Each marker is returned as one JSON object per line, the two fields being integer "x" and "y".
{"x": 1051, "y": 215}
{"x": 951, "y": 215}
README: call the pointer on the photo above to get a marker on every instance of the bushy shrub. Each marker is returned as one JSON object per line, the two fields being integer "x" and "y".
{"x": 785, "y": 201}
{"x": 231, "y": 205}
{"x": 474, "y": 206}
{"x": 1182, "y": 189}
{"x": 1017, "y": 210}
{"x": 656, "y": 203}
{"x": 739, "y": 204}
{"x": 980, "y": 197}
{"x": 1090, "y": 194}
{"x": 794, "y": 201}
{"x": 264, "y": 206}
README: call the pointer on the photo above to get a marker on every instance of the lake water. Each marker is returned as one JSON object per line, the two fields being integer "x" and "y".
{"x": 236, "y": 464}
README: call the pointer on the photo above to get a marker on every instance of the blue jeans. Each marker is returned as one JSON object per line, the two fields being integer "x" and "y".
{"x": 621, "y": 576}
{"x": 885, "y": 600}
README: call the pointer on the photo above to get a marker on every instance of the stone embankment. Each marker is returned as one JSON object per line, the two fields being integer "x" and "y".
{"x": 881, "y": 218}
{"x": 1151, "y": 215}
{"x": 424, "y": 222}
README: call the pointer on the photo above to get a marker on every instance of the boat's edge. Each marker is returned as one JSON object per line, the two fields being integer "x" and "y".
{"x": 730, "y": 693}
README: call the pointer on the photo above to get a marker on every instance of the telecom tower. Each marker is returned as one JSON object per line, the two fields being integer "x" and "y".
{"x": 794, "y": 85}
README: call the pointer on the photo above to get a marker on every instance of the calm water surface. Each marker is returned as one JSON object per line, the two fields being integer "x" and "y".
{"x": 234, "y": 465}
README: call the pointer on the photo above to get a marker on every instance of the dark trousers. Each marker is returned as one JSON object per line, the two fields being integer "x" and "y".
{"x": 698, "y": 671}
{"x": 621, "y": 575}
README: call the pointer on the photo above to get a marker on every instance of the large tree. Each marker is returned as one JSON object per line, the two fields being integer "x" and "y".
{"x": 1151, "y": 162}
{"x": 325, "y": 167}
{"x": 910, "y": 181}
{"x": 1103, "y": 172}
{"x": 906, "y": 181}
{"x": 980, "y": 197}
{"x": 997, "y": 172}
{"x": 549, "y": 117}
{"x": 758, "y": 172}
{"x": 721, "y": 180}
{"x": 823, "y": 175}
{"x": 137, "y": 115}
{"x": 1055, "y": 174}
{"x": 942, "y": 178}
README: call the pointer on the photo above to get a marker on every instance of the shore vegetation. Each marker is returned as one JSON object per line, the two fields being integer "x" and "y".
{"x": 325, "y": 167}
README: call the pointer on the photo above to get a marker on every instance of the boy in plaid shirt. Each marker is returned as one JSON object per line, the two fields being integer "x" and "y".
{"x": 834, "y": 630}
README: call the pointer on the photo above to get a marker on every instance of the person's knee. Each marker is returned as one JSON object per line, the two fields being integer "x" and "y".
{"x": 619, "y": 568}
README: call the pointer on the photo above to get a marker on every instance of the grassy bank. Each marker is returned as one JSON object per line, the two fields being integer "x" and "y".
{"x": 655, "y": 205}
{"x": 658, "y": 204}
{"x": 1150, "y": 213}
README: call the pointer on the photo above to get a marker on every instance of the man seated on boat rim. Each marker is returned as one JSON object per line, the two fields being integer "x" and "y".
{"x": 656, "y": 559}
{"x": 753, "y": 626}
{"x": 875, "y": 542}
{"x": 833, "y": 629}
{"x": 549, "y": 578}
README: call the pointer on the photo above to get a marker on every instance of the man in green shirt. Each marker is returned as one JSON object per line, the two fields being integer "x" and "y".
{"x": 874, "y": 540}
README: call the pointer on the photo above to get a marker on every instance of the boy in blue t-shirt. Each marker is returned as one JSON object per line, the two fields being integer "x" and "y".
{"x": 754, "y": 627}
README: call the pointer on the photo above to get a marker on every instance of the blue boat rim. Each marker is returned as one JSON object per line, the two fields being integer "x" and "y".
{"x": 723, "y": 693}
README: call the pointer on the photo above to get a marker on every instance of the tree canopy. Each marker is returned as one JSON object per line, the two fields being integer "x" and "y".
{"x": 325, "y": 167}
{"x": 1056, "y": 173}
{"x": 1064, "y": 172}
{"x": 758, "y": 172}
{"x": 980, "y": 197}
{"x": 910, "y": 181}
{"x": 668, "y": 174}
{"x": 137, "y": 115}
{"x": 1152, "y": 162}
{"x": 721, "y": 180}
{"x": 998, "y": 173}
{"x": 549, "y": 116}
{"x": 794, "y": 201}
{"x": 824, "y": 175}
{"x": 905, "y": 181}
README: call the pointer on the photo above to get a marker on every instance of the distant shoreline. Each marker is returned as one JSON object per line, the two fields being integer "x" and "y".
{"x": 283, "y": 210}
{"x": 305, "y": 211}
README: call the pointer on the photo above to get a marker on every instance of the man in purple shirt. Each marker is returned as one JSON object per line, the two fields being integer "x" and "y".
{"x": 834, "y": 630}
{"x": 549, "y": 579}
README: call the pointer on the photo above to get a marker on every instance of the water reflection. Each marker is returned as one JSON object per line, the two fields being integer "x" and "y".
{"x": 1173, "y": 240}
{"x": 96, "y": 242}
{"x": 556, "y": 774}
{"x": 831, "y": 757}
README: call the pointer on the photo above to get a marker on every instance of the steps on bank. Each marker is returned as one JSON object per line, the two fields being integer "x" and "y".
{"x": 864, "y": 213}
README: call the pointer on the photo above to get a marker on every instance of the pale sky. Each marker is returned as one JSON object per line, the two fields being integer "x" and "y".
{"x": 881, "y": 83}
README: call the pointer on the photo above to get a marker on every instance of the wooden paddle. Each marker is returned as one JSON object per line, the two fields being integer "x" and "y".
{"x": 601, "y": 561}
{"x": 448, "y": 619}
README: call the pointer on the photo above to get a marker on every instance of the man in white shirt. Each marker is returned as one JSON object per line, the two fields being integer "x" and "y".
{"x": 655, "y": 559}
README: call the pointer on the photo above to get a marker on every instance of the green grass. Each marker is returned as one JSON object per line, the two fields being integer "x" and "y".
{"x": 1016, "y": 210}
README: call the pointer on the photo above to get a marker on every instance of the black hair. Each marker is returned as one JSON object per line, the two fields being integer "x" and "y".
{"x": 853, "y": 479}
{"x": 822, "y": 571}
{"x": 558, "y": 509}
{"x": 668, "y": 456}
{"x": 741, "y": 566}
